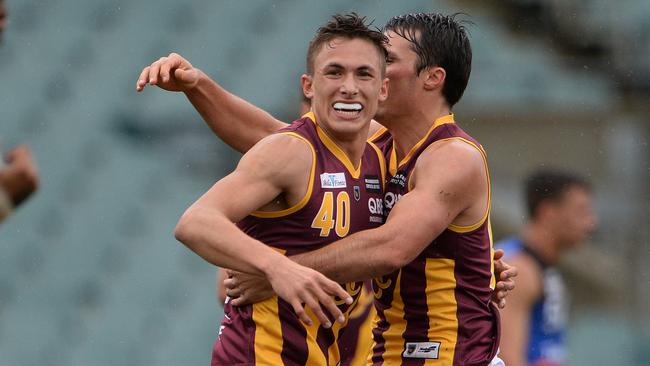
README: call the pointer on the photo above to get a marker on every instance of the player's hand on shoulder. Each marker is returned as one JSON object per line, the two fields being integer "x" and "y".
{"x": 302, "y": 286}
{"x": 172, "y": 73}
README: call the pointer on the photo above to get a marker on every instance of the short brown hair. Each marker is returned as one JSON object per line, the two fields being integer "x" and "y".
{"x": 349, "y": 26}
{"x": 550, "y": 184}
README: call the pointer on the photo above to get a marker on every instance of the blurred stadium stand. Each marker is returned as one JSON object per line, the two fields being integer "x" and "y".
{"x": 89, "y": 271}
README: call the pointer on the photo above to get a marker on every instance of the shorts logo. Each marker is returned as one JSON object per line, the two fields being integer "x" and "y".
{"x": 410, "y": 348}
{"x": 332, "y": 180}
{"x": 357, "y": 193}
{"x": 429, "y": 350}
{"x": 373, "y": 185}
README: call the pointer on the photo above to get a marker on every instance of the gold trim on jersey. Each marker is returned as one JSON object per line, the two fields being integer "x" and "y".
{"x": 305, "y": 199}
{"x": 493, "y": 279}
{"x": 365, "y": 340}
{"x": 377, "y": 134}
{"x": 394, "y": 335}
{"x": 268, "y": 332}
{"x": 465, "y": 228}
{"x": 382, "y": 165}
{"x": 393, "y": 166}
{"x": 334, "y": 148}
{"x": 315, "y": 356}
{"x": 442, "y": 308}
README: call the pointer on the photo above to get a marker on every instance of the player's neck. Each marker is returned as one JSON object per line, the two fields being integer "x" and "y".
{"x": 408, "y": 129}
{"x": 542, "y": 242}
{"x": 351, "y": 145}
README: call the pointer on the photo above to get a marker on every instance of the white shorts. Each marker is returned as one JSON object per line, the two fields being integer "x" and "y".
{"x": 496, "y": 361}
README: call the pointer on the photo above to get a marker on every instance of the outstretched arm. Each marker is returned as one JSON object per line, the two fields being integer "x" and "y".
{"x": 208, "y": 226}
{"x": 238, "y": 123}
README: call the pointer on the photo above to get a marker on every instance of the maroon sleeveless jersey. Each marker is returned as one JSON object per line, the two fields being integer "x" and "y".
{"x": 340, "y": 200}
{"x": 436, "y": 310}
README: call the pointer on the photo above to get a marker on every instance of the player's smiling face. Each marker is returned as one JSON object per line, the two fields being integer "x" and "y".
{"x": 402, "y": 78}
{"x": 346, "y": 86}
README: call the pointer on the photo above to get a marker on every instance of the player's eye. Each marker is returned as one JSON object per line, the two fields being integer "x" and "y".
{"x": 364, "y": 74}
{"x": 333, "y": 72}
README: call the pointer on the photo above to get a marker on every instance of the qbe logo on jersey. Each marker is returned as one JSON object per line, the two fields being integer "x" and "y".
{"x": 332, "y": 180}
{"x": 429, "y": 350}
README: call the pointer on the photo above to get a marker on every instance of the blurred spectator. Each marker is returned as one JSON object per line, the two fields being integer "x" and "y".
{"x": 18, "y": 179}
{"x": 3, "y": 17}
{"x": 560, "y": 217}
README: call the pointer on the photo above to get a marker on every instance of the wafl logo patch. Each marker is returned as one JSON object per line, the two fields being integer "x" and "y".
{"x": 332, "y": 180}
{"x": 429, "y": 350}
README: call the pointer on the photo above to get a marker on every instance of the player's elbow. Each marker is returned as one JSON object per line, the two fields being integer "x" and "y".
{"x": 397, "y": 258}
{"x": 395, "y": 254}
{"x": 184, "y": 228}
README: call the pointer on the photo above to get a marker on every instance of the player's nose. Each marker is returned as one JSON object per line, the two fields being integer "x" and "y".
{"x": 349, "y": 86}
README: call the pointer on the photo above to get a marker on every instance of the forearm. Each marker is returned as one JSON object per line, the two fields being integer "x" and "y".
{"x": 219, "y": 241}
{"x": 237, "y": 122}
{"x": 358, "y": 257}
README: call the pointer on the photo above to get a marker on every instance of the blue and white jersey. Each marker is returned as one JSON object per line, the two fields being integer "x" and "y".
{"x": 548, "y": 321}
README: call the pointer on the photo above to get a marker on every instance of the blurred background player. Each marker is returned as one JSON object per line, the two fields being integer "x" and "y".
{"x": 3, "y": 18}
{"x": 18, "y": 179}
{"x": 18, "y": 172}
{"x": 560, "y": 217}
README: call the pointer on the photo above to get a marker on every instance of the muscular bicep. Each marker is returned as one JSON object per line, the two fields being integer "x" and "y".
{"x": 260, "y": 177}
{"x": 442, "y": 187}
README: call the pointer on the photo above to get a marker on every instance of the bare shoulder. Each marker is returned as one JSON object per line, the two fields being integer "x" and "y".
{"x": 454, "y": 151}
{"x": 283, "y": 156}
{"x": 454, "y": 161}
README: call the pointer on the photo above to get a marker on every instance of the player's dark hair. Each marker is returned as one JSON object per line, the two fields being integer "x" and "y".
{"x": 438, "y": 40}
{"x": 550, "y": 185}
{"x": 350, "y": 26}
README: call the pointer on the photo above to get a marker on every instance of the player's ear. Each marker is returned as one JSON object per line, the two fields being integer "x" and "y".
{"x": 383, "y": 92}
{"x": 434, "y": 77}
{"x": 306, "y": 81}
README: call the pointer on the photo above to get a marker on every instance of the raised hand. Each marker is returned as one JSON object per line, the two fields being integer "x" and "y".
{"x": 172, "y": 73}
